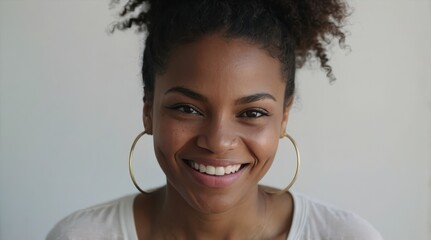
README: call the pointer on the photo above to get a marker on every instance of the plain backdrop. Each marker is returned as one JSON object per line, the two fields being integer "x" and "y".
{"x": 70, "y": 106}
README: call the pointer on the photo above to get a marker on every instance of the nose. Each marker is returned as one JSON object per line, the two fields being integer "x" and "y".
{"x": 218, "y": 136}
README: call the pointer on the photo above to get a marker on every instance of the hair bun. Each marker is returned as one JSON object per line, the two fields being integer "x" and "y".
{"x": 312, "y": 25}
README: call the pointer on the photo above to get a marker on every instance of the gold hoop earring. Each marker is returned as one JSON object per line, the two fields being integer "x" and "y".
{"x": 298, "y": 165}
{"x": 132, "y": 149}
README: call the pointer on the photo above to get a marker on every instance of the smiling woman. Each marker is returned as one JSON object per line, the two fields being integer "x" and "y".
{"x": 228, "y": 111}
{"x": 219, "y": 82}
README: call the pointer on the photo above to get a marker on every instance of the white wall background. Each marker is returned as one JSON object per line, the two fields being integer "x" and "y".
{"x": 70, "y": 105}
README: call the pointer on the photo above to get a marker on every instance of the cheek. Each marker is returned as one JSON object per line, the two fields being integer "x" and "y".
{"x": 169, "y": 139}
{"x": 263, "y": 145}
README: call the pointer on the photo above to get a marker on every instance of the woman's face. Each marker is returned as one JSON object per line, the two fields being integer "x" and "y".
{"x": 217, "y": 115}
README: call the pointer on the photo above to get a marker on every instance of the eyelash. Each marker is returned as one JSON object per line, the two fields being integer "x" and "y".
{"x": 189, "y": 109}
{"x": 183, "y": 107}
{"x": 260, "y": 112}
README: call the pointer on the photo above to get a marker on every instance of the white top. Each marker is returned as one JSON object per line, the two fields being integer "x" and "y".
{"x": 311, "y": 221}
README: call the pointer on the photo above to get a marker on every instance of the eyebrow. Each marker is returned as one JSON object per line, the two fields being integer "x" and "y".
{"x": 199, "y": 97}
{"x": 189, "y": 93}
{"x": 254, "y": 98}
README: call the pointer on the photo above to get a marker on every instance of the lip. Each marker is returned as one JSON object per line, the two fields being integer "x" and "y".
{"x": 214, "y": 181}
{"x": 213, "y": 162}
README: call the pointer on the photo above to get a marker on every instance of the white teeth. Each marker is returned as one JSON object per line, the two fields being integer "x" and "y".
{"x": 211, "y": 170}
{"x": 202, "y": 168}
{"x": 219, "y": 171}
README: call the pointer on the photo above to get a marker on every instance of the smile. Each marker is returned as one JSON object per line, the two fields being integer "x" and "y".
{"x": 214, "y": 170}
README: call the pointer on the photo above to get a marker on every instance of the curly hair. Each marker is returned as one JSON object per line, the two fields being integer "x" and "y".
{"x": 294, "y": 31}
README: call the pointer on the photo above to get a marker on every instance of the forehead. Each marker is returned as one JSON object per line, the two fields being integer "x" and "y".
{"x": 215, "y": 50}
{"x": 222, "y": 64}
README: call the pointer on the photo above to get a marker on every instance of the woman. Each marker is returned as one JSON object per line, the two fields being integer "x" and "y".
{"x": 219, "y": 81}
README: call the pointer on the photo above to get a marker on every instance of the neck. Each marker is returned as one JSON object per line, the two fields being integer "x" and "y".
{"x": 179, "y": 218}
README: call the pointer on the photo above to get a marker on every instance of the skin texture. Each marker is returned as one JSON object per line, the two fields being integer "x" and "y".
{"x": 220, "y": 101}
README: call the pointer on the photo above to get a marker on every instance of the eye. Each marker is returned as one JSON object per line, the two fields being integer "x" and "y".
{"x": 254, "y": 113}
{"x": 185, "y": 108}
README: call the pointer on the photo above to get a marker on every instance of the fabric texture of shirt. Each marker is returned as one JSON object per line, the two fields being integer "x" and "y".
{"x": 311, "y": 221}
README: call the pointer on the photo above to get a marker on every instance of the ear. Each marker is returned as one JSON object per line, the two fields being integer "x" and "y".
{"x": 147, "y": 117}
{"x": 285, "y": 117}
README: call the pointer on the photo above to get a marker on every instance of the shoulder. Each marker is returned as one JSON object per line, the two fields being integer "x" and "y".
{"x": 317, "y": 220}
{"x": 104, "y": 221}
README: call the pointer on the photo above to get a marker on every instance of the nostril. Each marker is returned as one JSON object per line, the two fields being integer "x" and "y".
{"x": 217, "y": 143}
